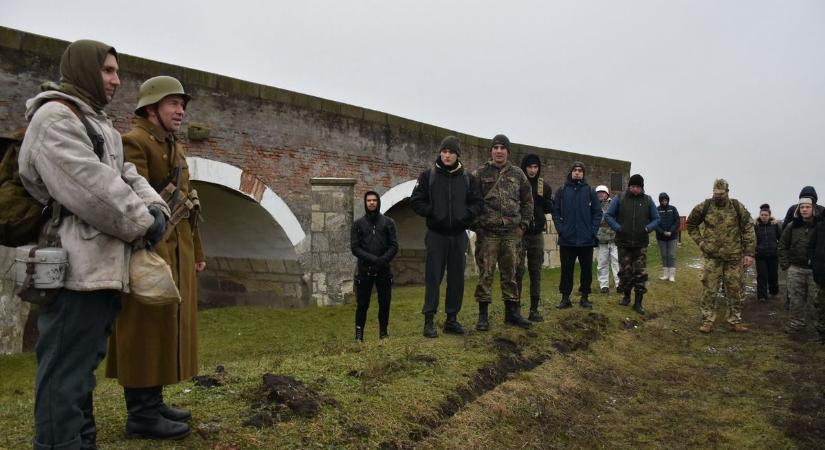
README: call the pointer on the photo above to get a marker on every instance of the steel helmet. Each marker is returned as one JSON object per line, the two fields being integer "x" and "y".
{"x": 154, "y": 89}
{"x": 602, "y": 188}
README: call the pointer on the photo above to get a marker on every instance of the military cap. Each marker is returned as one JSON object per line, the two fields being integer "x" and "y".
{"x": 720, "y": 186}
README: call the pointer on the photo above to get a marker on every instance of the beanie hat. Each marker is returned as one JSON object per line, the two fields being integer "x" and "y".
{"x": 806, "y": 201}
{"x": 636, "y": 180}
{"x": 452, "y": 144}
{"x": 720, "y": 186}
{"x": 765, "y": 207}
{"x": 501, "y": 139}
{"x": 578, "y": 164}
{"x": 602, "y": 188}
{"x": 664, "y": 196}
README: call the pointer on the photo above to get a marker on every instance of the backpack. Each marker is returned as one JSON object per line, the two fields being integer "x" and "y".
{"x": 21, "y": 215}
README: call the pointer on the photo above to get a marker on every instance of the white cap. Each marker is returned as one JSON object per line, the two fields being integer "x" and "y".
{"x": 602, "y": 188}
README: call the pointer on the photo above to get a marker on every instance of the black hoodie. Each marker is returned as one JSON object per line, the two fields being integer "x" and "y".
{"x": 542, "y": 201}
{"x": 374, "y": 239}
{"x": 807, "y": 191}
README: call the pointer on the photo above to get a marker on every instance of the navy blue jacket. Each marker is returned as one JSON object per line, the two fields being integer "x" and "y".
{"x": 577, "y": 214}
{"x": 668, "y": 221}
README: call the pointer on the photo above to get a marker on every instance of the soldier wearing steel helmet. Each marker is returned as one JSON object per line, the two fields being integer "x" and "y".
{"x": 153, "y": 346}
{"x": 728, "y": 243}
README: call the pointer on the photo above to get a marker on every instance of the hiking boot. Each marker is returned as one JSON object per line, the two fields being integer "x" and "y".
{"x": 626, "y": 299}
{"x": 738, "y": 328}
{"x": 604, "y": 290}
{"x": 451, "y": 326}
{"x": 534, "y": 310}
{"x": 565, "y": 302}
{"x": 512, "y": 315}
{"x": 706, "y": 327}
{"x": 429, "y": 327}
{"x": 637, "y": 303}
{"x": 383, "y": 334}
{"x": 483, "y": 323}
{"x": 761, "y": 300}
{"x": 359, "y": 334}
{"x": 584, "y": 302}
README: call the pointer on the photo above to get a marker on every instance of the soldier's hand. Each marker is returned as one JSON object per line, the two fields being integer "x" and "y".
{"x": 747, "y": 261}
{"x": 155, "y": 232}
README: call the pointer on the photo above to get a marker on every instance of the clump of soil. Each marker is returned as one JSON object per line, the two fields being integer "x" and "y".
{"x": 281, "y": 398}
{"x": 219, "y": 378}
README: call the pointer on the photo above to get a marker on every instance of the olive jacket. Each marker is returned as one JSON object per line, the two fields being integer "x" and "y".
{"x": 157, "y": 345}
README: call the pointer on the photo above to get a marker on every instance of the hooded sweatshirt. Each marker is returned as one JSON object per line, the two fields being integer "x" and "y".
{"x": 577, "y": 212}
{"x": 668, "y": 220}
{"x": 542, "y": 196}
{"x": 809, "y": 192}
{"x": 374, "y": 239}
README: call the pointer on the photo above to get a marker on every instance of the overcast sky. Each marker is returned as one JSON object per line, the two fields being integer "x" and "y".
{"x": 687, "y": 90}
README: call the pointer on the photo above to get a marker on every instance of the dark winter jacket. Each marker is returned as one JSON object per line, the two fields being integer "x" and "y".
{"x": 793, "y": 245}
{"x": 450, "y": 201}
{"x": 767, "y": 238}
{"x": 577, "y": 213}
{"x": 542, "y": 196}
{"x": 807, "y": 191}
{"x": 816, "y": 253}
{"x": 632, "y": 217}
{"x": 374, "y": 239}
{"x": 668, "y": 221}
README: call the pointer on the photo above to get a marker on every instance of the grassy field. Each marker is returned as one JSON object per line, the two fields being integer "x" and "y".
{"x": 605, "y": 378}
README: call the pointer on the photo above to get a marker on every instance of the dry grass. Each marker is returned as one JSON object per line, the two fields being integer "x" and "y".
{"x": 622, "y": 382}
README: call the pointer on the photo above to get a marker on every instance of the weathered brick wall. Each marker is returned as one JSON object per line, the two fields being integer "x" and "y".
{"x": 283, "y": 138}
{"x": 242, "y": 281}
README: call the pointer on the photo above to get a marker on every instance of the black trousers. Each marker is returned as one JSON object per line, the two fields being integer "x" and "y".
{"x": 448, "y": 252}
{"x": 383, "y": 284}
{"x": 568, "y": 256}
{"x": 767, "y": 276}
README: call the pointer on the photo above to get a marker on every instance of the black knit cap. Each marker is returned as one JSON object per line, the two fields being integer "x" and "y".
{"x": 765, "y": 207}
{"x": 580, "y": 165}
{"x": 452, "y": 144}
{"x": 501, "y": 139}
{"x": 636, "y": 180}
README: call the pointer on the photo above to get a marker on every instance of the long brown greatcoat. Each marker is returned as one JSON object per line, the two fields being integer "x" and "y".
{"x": 157, "y": 345}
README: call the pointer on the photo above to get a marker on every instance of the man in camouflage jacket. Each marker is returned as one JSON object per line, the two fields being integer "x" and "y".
{"x": 508, "y": 204}
{"x": 728, "y": 243}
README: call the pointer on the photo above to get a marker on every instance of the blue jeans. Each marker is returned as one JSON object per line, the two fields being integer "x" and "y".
{"x": 667, "y": 249}
{"x": 72, "y": 343}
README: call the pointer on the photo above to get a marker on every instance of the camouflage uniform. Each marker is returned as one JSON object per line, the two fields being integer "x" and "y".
{"x": 633, "y": 269}
{"x": 508, "y": 204}
{"x": 725, "y": 238}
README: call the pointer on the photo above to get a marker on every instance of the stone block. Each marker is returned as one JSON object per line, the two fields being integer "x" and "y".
{"x": 259, "y": 265}
{"x": 239, "y": 265}
{"x": 317, "y": 222}
{"x": 320, "y": 242}
{"x": 336, "y": 221}
{"x": 275, "y": 266}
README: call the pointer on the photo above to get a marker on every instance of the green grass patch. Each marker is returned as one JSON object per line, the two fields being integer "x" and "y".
{"x": 620, "y": 382}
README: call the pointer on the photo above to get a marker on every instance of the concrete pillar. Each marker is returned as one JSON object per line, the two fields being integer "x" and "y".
{"x": 13, "y": 311}
{"x": 332, "y": 263}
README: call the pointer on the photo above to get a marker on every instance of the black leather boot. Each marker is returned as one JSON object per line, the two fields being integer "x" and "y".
{"x": 565, "y": 302}
{"x": 512, "y": 315}
{"x": 626, "y": 299}
{"x": 483, "y": 323}
{"x": 429, "y": 327}
{"x": 176, "y": 414}
{"x": 637, "y": 303}
{"x": 144, "y": 419}
{"x": 88, "y": 430}
{"x": 584, "y": 302}
{"x": 452, "y": 326}
{"x": 359, "y": 334}
{"x": 534, "y": 310}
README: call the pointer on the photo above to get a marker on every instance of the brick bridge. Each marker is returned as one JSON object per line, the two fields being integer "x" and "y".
{"x": 281, "y": 174}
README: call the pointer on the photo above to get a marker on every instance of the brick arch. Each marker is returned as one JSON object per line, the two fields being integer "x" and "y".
{"x": 216, "y": 172}
{"x": 396, "y": 194}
